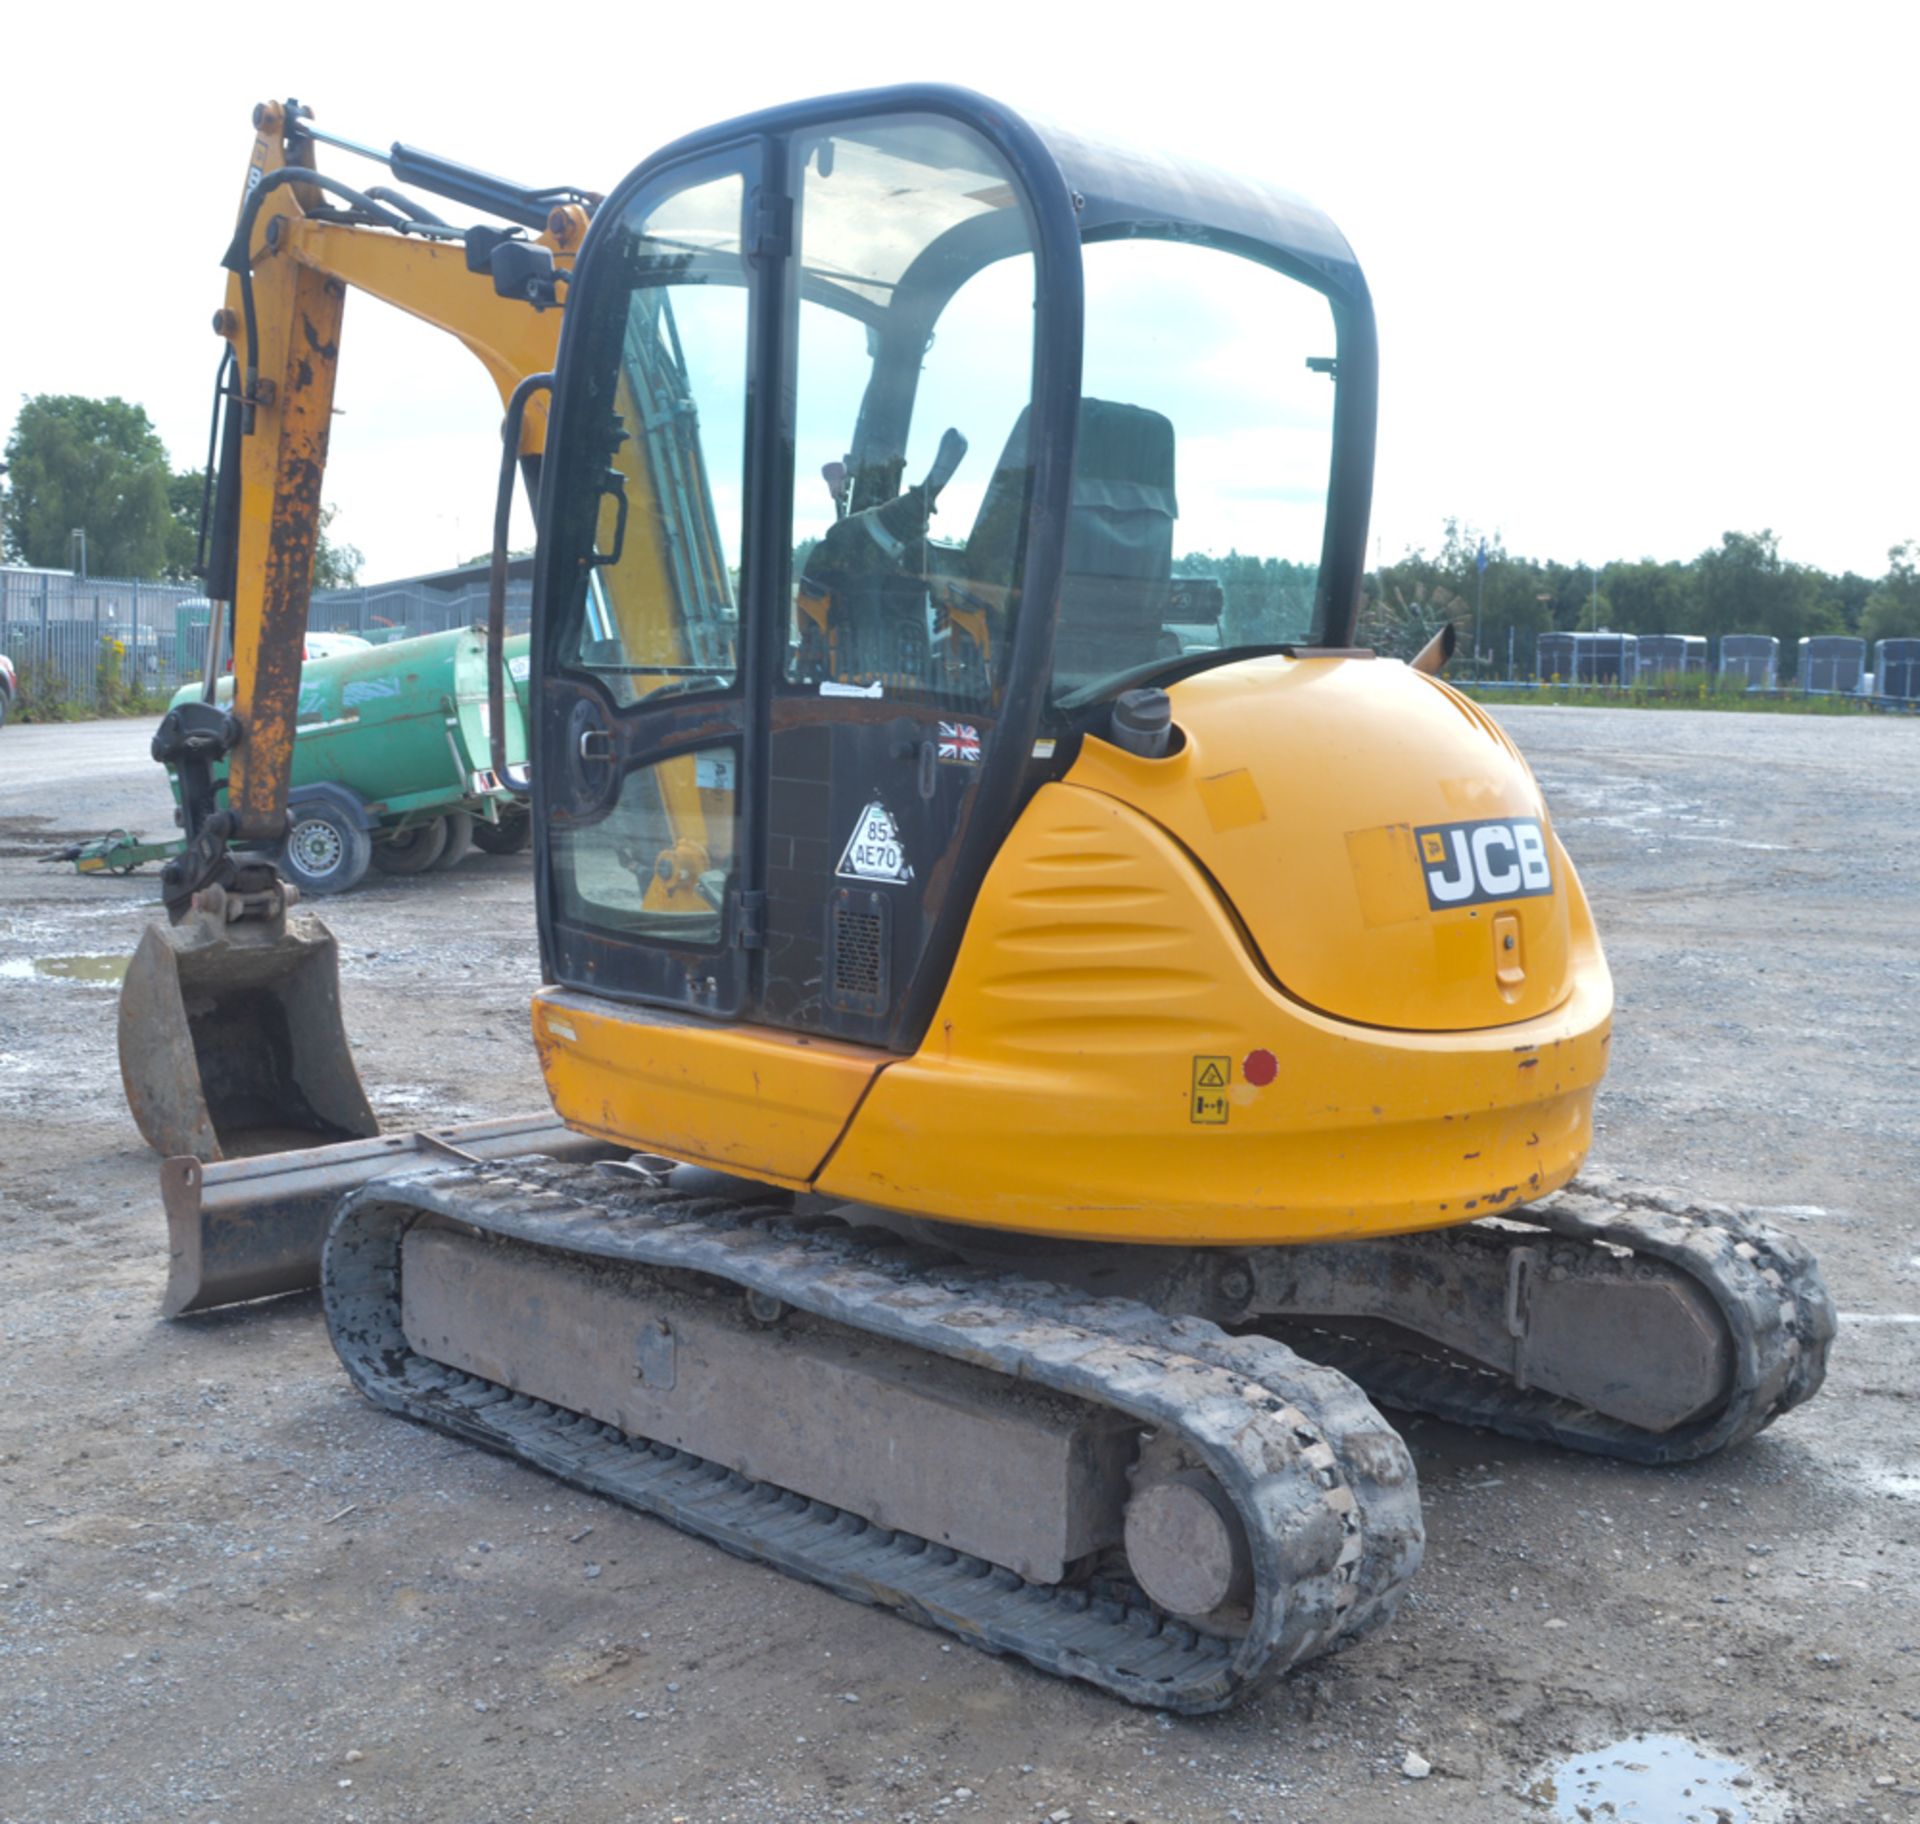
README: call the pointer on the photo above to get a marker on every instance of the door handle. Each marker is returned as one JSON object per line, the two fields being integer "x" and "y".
{"x": 596, "y": 745}
{"x": 614, "y": 483}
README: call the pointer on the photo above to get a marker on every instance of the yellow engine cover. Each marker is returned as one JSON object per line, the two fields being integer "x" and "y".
{"x": 1209, "y": 999}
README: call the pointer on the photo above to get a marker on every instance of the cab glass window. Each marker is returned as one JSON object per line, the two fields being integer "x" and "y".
{"x": 653, "y": 506}
{"x": 660, "y": 864}
{"x": 914, "y": 374}
{"x": 1204, "y": 461}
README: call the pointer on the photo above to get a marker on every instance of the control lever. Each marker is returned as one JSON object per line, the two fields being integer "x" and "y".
{"x": 953, "y": 448}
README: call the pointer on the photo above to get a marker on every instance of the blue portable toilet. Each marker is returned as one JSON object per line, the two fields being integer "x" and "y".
{"x": 1832, "y": 664}
{"x": 1754, "y": 658}
{"x": 1896, "y": 669}
{"x": 1672, "y": 654}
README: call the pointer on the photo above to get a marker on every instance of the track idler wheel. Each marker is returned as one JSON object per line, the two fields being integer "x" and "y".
{"x": 1187, "y": 1548}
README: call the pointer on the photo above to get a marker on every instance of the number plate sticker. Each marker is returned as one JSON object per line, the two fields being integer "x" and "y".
{"x": 874, "y": 850}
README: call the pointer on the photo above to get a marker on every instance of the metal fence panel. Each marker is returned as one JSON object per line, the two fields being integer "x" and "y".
{"x": 392, "y": 611}
{"x": 90, "y": 641}
{"x": 82, "y": 639}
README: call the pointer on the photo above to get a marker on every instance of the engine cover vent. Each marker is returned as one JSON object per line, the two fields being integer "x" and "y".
{"x": 859, "y": 947}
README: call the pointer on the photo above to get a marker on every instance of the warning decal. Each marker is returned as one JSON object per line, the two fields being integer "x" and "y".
{"x": 873, "y": 850}
{"x": 1210, "y": 1079}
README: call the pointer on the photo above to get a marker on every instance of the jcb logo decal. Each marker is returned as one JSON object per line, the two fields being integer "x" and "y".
{"x": 1467, "y": 864}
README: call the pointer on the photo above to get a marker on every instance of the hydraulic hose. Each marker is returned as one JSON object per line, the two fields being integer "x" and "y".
{"x": 218, "y": 553}
{"x": 222, "y": 378}
{"x": 414, "y": 212}
{"x": 239, "y": 256}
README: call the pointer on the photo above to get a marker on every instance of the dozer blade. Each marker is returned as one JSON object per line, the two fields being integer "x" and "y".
{"x": 253, "y": 1228}
{"x": 231, "y": 1041}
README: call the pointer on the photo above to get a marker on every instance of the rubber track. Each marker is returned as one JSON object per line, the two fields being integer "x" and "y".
{"x": 1766, "y": 1286}
{"x": 1324, "y": 1486}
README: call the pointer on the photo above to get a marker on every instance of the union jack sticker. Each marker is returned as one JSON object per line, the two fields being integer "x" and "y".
{"x": 960, "y": 743}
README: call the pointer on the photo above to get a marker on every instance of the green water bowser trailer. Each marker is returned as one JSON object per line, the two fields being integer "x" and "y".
{"x": 391, "y": 759}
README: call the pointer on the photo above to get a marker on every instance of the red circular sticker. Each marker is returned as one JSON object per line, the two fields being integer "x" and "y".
{"x": 1260, "y": 1068}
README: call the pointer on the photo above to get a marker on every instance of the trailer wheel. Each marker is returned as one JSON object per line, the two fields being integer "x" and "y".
{"x": 412, "y": 850}
{"x": 325, "y": 850}
{"x": 459, "y": 826}
{"x": 507, "y": 837}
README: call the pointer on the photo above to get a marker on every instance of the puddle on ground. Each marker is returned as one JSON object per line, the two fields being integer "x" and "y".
{"x": 1654, "y": 1779}
{"x": 104, "y": 970}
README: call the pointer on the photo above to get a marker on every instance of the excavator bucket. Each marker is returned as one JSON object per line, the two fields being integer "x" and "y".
{"x": 237, "y": 1068}
{"x": 231, "y": 1041}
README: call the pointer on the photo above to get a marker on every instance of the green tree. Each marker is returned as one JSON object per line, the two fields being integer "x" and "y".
{"x": 336, "y": 564}
{"x": 1742, "y": 585}
{"x": 1507, "y": 597}
{"x": 518, "y": 551}
{"x": 184, "y": 493}
{"x": 1647, "y": 597}
{"x": 1403, "y": 605}
{"x": 93, "y": 464}
{"x": 1893, "y": 609}
{"x": 1746, "y": 587}
{"x": 1846, "y": 595}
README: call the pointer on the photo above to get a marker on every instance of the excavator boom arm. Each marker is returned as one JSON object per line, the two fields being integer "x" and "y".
{"x": 285, "y": 305}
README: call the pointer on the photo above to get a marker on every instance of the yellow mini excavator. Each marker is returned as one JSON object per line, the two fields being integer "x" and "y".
{"x": 1065, "y": 1026}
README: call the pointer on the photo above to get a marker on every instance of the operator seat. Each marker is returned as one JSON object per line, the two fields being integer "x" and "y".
{"x": 1119, "y": 571}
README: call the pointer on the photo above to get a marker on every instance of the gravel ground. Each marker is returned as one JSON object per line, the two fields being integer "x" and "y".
{"x": 229, "y": 1590}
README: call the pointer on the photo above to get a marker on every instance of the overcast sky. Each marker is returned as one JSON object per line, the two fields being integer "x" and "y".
{"x": 1643, "y": 273}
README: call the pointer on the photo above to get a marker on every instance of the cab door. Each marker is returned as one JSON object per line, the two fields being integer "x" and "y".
{"x": 649, "y": 744}
{"x": 910, "y": 332}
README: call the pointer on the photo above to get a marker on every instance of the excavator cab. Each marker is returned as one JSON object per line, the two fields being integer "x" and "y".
{"x": 980, "y": 411}
{"x": 888, "y": 802}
